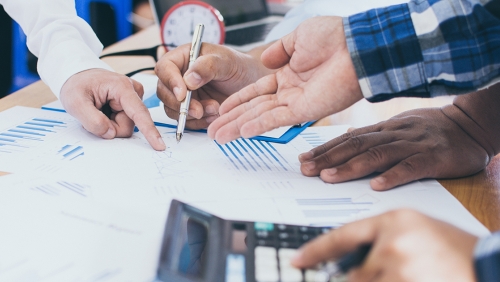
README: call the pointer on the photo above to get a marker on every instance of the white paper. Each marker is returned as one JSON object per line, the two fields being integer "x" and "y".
{"x": 124, "y": 183}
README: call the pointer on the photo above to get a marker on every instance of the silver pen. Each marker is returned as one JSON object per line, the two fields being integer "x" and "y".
{"x": 193, "y": 55}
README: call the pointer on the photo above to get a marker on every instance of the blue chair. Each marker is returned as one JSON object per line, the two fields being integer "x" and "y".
{"x": 122, "y": 9}
{"x": 22, "y": 76}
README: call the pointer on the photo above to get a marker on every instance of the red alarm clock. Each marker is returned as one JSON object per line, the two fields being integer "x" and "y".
{"x": 178, "y": 24}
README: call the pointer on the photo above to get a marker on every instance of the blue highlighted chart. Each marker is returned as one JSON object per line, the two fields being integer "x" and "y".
{"x": 247, "y": 155}
{"x": 31, "y": 133}
{"x": 70, "y": 152}
{"x": 314, "y": 139}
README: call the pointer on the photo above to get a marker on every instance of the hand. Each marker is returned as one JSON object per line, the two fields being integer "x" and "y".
{"x": 217, "y": 73}
{"x": 317, "y": 78}
{"x": 407, "y": 246}
{"x": 85, "y": 93}
{"x": 422, "y": 143}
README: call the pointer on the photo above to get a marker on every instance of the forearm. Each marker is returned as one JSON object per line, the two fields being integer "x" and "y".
{"x": 424, "y": 48}
{"x": 487, "y": 258}
{"x": 478, "y": 115}
{"x": 64, "y": 43}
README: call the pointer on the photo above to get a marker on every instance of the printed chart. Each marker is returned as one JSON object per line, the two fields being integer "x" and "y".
{"x": 254, "y": 156}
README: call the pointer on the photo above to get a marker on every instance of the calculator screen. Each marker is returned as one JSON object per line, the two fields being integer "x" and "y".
{"x": 191, "y": 246}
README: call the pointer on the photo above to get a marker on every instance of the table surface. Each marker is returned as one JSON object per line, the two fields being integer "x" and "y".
{"x": 479, "y": 193}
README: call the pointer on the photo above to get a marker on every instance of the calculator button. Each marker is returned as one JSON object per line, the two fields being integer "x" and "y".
{"x": 286, "y": 253}
{"x": 235, "y": 268}
{"x": 342, "y": 278}
{"x": 290, "y": 274}
{"x": 265, "y": 273}
{"x": 263, "y": 234}
{"x": 265, "y": 256}
{"x": 265, "y": 251}
{"x": 263, "y": 226}
{"x": 286, "y": 236}
{"x": 315, "y": 276}
{"x": 305, "y": 229}
{"x": 291, "y": 244}
{"x": 306, "y": 237}
{"x": 268, "y": 243}
{"x": 287, "y": 228}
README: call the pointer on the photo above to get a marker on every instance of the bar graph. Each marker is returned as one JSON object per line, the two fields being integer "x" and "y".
{"x": 62, "y": 188}
{"x": 29, "y": 134}
{"x": 314, "y": 138}
{"x": 255, "y": 156}
{"x": 332, "y": 207}
{"x": 70, "y": 152}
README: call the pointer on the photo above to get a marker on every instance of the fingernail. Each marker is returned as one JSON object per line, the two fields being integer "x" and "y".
{"x": 309, "y": 165}
{"x": 306, "y": 156}
{"x": 160, "y": 140}
{"x": 177, "y": 92}
{"x": 380, "y": 180}
{"x": 210, "y": 109}
{"x": 193, "y": 79}
{"x": 211, "y": 119}
{"x": 110, "y": 134}
{"x": 331, "y": 171}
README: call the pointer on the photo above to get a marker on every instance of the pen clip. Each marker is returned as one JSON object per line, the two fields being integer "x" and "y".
{"x": 196, "y": 43}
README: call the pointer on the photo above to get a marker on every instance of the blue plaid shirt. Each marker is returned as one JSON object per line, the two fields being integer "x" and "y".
{"x": 425, "y": 48}
{"x": 487, "y": 254}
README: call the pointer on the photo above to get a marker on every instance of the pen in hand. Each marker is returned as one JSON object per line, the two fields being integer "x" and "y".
{"x": 193, "y": 55}
{"x": 344, "y": 264}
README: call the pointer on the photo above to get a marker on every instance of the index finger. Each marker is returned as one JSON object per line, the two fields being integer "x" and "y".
{"x": 338, "y": 242}
{"x": 169, "y": 71}
{"x": 135, "y": 109}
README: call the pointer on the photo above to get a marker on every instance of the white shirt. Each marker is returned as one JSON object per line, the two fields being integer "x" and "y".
{"x": 312, "y": 8}
{"x": 63, "y": 42}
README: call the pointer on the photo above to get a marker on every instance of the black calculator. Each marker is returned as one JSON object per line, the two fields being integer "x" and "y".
{"x": 198, "y": 246}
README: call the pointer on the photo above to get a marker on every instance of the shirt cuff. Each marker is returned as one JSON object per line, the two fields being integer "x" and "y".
{"x": 487, "y": 258}
{"x": 385, "y": 51}
{"x": 59, "y": 64}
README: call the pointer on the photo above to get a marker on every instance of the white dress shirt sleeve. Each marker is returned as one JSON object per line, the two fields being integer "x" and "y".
{"x": 63, "y": 42}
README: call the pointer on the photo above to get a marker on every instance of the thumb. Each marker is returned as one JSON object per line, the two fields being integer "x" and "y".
{"x": 93, "y": 120}
{"x": 337, "y": 243}
{"x": 278, "y": 54}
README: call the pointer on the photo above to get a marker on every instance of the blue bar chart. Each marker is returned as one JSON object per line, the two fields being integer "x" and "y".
{"x": 70, "y": 152}
{"x": 249, "y": 156}
{"x": 314, "y": 139}
{"x": 29, "y": 134}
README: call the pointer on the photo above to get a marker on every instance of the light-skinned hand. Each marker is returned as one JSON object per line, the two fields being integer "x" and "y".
{"x": 218, "y": 72}
{"x": 406, "y": 247}
{"x": 416, "y": 144}
{"x": 316, "y": 78}
{"x": 84, "y": 95}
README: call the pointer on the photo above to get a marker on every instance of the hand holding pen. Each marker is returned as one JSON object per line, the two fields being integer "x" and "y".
{"x": 405, "y": 246}
{"x": 193, "y": 55}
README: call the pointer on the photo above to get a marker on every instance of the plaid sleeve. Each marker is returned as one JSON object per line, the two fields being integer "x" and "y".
{"x": 425, "y": 48}
{"x": 487, "y": 258}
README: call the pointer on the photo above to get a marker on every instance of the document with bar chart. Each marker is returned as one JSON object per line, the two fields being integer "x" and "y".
{"x": 39, "y": 140}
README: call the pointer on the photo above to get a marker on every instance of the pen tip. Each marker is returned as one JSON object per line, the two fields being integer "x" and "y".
{"x": 178, "y": 137}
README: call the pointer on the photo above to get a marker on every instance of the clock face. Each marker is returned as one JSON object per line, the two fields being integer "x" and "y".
{"x": 179, "y": 22}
